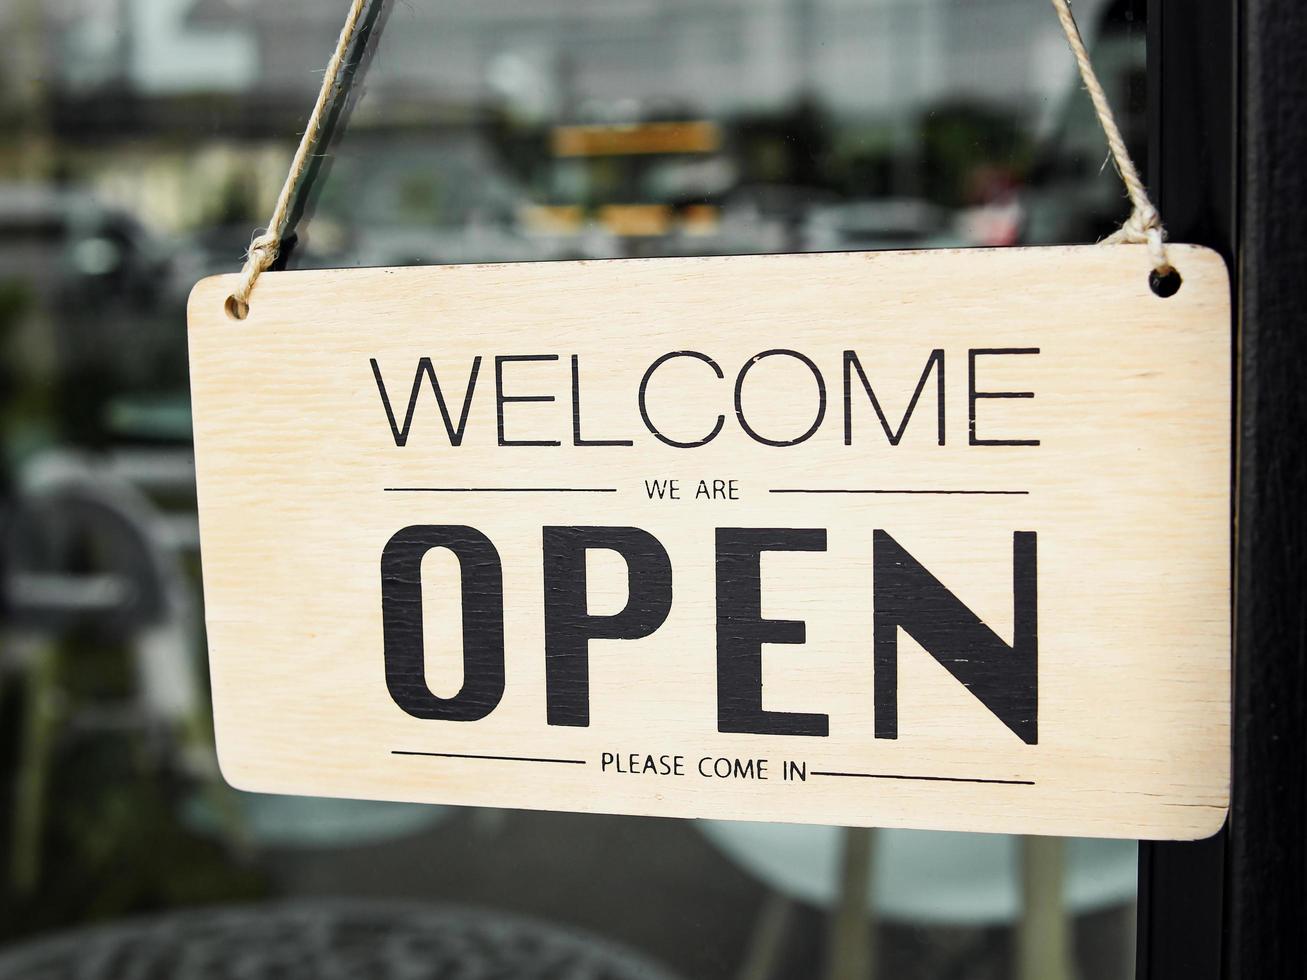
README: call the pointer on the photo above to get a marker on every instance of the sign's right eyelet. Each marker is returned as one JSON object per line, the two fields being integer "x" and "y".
{"x": 1165, "y": 284}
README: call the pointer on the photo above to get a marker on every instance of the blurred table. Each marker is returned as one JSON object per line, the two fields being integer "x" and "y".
{"x": 326, "y": 940}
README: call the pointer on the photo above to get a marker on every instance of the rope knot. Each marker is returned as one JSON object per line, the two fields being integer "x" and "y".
{"x": 1144, "y": 227}
{"x": 263, "y": 250}
{"x": 1143, "y": 223}
{"x": 259, "y": 257}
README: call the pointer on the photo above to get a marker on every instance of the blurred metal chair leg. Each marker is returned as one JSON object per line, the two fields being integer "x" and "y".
{"x": 40, "y": 678}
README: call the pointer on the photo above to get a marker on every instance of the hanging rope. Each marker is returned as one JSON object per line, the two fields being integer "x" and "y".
{"x": 1144, "y": 226}
{"x": 264, "y": 248}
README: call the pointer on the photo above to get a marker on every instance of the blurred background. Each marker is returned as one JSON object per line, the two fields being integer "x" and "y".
{"x": 142, "y": 143}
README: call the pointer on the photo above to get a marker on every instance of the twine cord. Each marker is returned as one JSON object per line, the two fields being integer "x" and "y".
{"x": 265, "y": 247}
{"x": 1144, "y": 226}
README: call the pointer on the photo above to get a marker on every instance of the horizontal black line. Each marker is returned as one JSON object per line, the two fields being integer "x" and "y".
{"x": 945, "y": 493}
{"x": 928, "y": 779}
{"x": 501, "y": 489}
{"x": 493, "y": 758}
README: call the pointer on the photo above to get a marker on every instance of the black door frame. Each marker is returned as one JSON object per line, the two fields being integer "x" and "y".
{"x": 1228, "y": 154}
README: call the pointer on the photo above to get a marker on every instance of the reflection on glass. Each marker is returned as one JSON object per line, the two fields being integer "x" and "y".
{"x": 141, "y": 144}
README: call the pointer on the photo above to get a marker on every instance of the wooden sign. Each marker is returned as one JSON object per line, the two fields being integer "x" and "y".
{"x": 916, "y": 539}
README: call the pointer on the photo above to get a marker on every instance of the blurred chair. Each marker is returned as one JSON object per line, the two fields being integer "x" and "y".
{"x": 932, "y": 878}
{"x": 84, "y": 552}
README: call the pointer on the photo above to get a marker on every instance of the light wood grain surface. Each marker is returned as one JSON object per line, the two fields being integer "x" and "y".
{"x": 302, "y": 484}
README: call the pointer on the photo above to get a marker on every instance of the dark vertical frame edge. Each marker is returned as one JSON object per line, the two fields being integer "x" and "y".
{"x": 1228, "y": 136}
{"x": 1266, "y": 876}
{"x": 1193, "y": 86}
